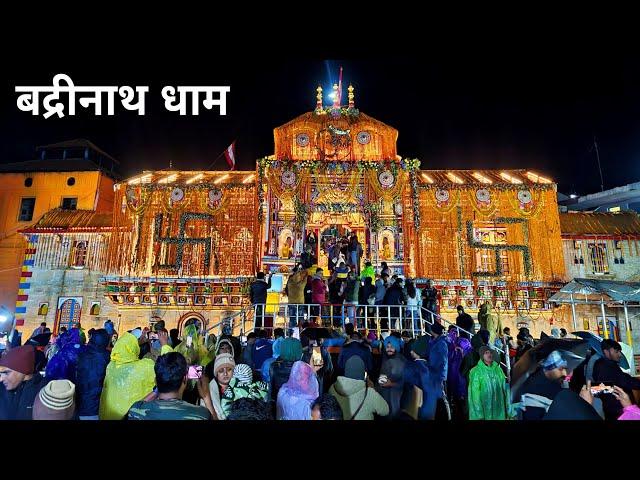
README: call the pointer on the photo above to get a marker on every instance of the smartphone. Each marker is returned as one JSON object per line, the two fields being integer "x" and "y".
{"x": 601, "y": 389}
{"x": 316, "y": 357}
{"x": 195, "y": 371}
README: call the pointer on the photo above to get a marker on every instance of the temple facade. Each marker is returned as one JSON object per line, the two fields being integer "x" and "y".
{"x": 183, "y": 246}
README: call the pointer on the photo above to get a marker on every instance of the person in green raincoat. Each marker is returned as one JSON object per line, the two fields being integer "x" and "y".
{"x": 127, "y": 378}
{"x": 192, "y": 347}
{"x": 488, "y": 391}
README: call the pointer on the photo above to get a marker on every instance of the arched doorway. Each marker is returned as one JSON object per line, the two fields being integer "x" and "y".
{"x": 192, "y": 318}
{"x": 68, "y": 314}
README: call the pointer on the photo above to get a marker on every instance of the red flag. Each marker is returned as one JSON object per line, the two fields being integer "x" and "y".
{"x": 230, "y": 155}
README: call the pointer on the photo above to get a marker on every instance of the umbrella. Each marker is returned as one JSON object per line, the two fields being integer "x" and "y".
{"x": 574, "y": 351}
{"x": 316, "y": 333}
{"x": 594, "y": 342}
{"x": 41, "y": 340}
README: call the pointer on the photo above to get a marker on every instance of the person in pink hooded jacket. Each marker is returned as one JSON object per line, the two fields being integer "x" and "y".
{"x": 630, "y": 411}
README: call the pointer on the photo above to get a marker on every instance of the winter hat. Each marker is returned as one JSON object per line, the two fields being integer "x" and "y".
{"x": 483, "y": 349}
{"x": 291, "y": 350}
{"x": 354, "y": 368}
{"x": 136, "y": 332}
{"x": 553, "y": 360}
{"x": 222, "y": 360}
{"x": 20, "y": 359}
{"x": 243, "y": 373}
{"x": 55, "y": 401}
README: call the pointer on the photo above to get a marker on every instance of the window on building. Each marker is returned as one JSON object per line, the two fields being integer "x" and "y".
{"x": 79, "y": 254}
{"x": 617, "y": 253}
{"x": 69, "y": 203}
{"x": 26, "y": 209}
{"x": 578, "y": 259}
{"x": 486, "y": 258}
{"x": 598, "y": 255}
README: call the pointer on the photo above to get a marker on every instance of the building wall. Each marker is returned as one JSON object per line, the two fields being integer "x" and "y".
{"x": 48, "y": 285}
{"x": 628, "y": 271}
{"x": 48, "y": 188}
{"x": 443, "y": 249}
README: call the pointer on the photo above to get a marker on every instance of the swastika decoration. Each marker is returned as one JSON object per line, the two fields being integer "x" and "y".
{"x": 180, "y": 240}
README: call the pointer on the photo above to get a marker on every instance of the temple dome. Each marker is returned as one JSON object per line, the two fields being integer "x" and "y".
{"x": 335, "y": 135}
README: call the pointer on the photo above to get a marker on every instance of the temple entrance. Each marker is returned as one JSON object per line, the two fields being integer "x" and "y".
{"x": 330, "y": 228}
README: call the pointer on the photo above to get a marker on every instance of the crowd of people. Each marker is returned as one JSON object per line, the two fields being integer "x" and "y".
{"x": 153, "y": 374}
{"x": 402, "y": 365}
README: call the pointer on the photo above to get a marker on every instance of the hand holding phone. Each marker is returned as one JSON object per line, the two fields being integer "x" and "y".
{"x": 195, "y": 371}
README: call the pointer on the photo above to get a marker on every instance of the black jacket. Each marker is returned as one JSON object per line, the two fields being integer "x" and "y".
{"x": 279, "y": 372}
{"x": 465, "y": 321}
{"x": 18, "y": 404}
{"x": 91, "y": 369}
{"x": 258, "y": 291}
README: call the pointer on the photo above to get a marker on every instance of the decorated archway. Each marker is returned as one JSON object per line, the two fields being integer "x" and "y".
{"x": 192, "y": 318}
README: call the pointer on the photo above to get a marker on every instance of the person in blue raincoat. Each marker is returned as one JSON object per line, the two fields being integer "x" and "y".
{"x": 429, "y": 370}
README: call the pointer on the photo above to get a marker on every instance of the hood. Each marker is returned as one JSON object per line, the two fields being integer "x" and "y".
{"x": 228, "y": 342}
{"x": 126, "y": 349}
{"x": 346, "y": 387}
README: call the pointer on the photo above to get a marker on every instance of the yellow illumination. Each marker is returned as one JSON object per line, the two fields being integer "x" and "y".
{"x": 224, "y": 177}
{"x": 141, "y": 179}
{"x": 481, "y": 177}
{"x": 249, "y": 178}
{"x": 534, "y": 177}
{"x": 510, "y": 178}
{"x": 168, "y": 179}
{"x": 454, "y": 178}
{"x": 195, "y": 178}
{"x": 427, "y": 178}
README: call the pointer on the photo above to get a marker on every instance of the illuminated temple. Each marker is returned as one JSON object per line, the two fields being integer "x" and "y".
{"x": 186, "y": 244}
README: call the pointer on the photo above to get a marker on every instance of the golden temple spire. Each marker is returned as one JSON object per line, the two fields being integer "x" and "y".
{"x": 319, "y": 99}
{"x": 351, "y": 97}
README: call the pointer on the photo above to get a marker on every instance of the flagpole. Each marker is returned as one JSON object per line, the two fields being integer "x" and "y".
{"x": 218, "y": 157}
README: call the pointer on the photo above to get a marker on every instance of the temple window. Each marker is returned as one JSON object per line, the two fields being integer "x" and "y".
{"x": 79, "y": 254}
{"x": 598, "y": 256}
{"x": 578, "y": 258}
{"x": 617, "y": 253}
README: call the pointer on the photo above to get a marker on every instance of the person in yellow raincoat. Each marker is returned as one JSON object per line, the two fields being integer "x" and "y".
{"x": 490, "y": 320}
{"x": 193, "y": 347}
{"x": 127, "y": 379}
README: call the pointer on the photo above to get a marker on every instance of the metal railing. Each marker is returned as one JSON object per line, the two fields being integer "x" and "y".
{"x": 365, "y": 318}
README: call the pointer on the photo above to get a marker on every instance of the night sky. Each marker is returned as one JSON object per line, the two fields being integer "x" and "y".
{"x": 469, "y": 108}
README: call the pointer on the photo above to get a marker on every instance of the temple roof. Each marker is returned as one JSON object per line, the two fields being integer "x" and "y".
{"x": 58, "y": 220}
{"x": 481, "y": 178}
{"x": 600, "y": 223}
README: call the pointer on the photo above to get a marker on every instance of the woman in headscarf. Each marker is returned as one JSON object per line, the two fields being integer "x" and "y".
{"x": 488, "y": 390}
{"x": 391, "y": 380}
{"x": 296, "y": 396}
{"x": 62, "y": 365}
{"x": 456, "y": 382}
{"x": 128, "y": 379}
